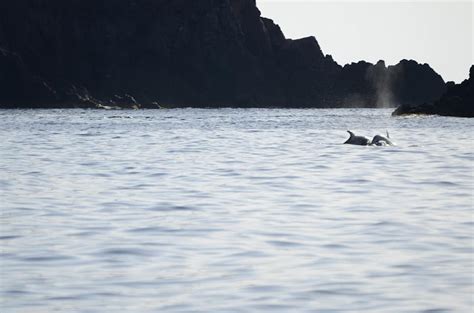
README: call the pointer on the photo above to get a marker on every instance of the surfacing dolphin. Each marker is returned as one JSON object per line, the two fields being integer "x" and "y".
{"x": 357, "y": 140}
{"x": 382, "y": 141}
{"x": 378, "y": 140}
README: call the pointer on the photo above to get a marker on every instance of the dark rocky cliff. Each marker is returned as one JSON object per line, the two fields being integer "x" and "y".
{"x": 375, "y": 85}
{"x": 458, "y": 100}
{"x": 202, "y": 53}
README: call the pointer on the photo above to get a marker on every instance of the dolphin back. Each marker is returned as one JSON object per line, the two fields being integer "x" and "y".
{"x": 357, "y": 140}
{"x": 382, "y": 141}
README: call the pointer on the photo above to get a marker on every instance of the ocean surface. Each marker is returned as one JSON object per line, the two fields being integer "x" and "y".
{"x": 234, "y": 211}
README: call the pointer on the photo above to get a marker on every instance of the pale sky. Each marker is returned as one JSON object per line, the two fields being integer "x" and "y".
{"x": 439, "y": 33}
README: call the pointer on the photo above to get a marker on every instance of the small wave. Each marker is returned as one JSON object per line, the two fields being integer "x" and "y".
{"x": 147, "y": 230}
{"x": 9, "y": 237}
{"x": 16, "y": 292}
{"x": 65, "y": 298}
{"x": 88, "y": 134}
{"x": 48, "y": 258}
{"x": 119, "y": 117}
{"x": 437, "y": 310}
{"x": 124, "y": 252}
{"x": 171, "y": 208}
{"x": 284, "y": 243}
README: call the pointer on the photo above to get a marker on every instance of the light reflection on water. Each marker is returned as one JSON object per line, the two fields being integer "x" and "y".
{"x": 234, "y": 211}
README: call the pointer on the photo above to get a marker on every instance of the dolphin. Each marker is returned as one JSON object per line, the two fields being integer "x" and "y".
{"x": 357, "y": 140}
{"x": 382, "y": 141}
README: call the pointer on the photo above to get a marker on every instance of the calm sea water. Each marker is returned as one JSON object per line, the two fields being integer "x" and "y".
{"x": 234, "y": 211}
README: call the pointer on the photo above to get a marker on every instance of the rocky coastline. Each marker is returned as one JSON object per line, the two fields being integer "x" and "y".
{"x": 180, "y": 53}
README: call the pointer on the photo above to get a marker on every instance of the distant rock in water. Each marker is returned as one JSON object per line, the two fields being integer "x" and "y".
{"x": 458, "y": 100}
{"x": 176, "y": 53}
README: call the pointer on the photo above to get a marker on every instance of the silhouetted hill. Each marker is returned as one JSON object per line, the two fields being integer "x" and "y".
{"x": 458, "y": 100}
{"x": 201, "y": 53}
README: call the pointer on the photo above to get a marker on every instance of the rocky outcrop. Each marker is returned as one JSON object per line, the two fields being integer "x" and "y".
{"x": 364, "y": 84}
{"x": 412, "y": 82}
{"x": 458, "y": 100}
{"x": 203, "y": 53}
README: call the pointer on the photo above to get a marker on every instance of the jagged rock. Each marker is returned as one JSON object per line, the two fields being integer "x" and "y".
{"x": 458, "y": 100}
{"x": 412, "y": 82}
{"x": 364, "y": 84}
{"x": 421, "y": 109}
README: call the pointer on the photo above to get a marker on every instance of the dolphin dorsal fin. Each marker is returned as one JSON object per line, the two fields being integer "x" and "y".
{"x": 350, "y": 133}
{"x": 388, "y": 135}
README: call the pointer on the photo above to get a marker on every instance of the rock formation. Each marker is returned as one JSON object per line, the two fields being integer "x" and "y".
{"x": 367, "y": 85}
{"x": 458, "y": 100}
{"x": 200, "y": 53}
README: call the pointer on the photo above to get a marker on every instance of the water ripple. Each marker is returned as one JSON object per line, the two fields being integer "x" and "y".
{"x": 233, "y": 211}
